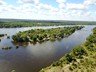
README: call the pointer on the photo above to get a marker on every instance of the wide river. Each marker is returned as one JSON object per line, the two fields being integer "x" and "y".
{"x": 32, "y": 58}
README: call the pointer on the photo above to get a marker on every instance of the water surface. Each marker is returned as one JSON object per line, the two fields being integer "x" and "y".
{"x": 32, "y": 58}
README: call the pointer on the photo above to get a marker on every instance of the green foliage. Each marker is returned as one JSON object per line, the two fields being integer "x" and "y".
{"x": 1, "y": 35}
{"x": 90, "y": 47}
{"x": 40, "y": 35}
{"x": 24, "y": 23}
{"x": 79, "y": 52}
{"x": 57, "y": 63}
{"x": 80, "y": 59}
{"x": 69, "y": 58}
{"x": 34, "y": 38}
{"x": 92, "y": 38}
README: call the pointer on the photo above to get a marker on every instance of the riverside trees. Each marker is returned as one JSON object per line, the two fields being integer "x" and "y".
{"x": 80, "y": 59}
{"x": 40, "y": 35}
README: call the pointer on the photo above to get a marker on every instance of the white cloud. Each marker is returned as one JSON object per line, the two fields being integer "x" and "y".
{"x": 2, "y": 2}
{"x": 47, "y": 7}
{"x": 33, "y": 9}
{"x": 62, "y": 5}
{"x": 61, "y": 1}
{"x": 75, "y": 6}
{"x": 89, "y": 2}
{"x": 29, "y": 1}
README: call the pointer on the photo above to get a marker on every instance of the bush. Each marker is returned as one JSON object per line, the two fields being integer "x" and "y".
{"x": 69, "y": 58}
{"x": 79, "y": 51}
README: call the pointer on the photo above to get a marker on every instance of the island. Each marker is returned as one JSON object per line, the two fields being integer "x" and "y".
{"x": 41, "y": 35}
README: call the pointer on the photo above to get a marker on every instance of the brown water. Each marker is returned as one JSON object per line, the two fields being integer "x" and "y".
{"x": 32, "y": 58}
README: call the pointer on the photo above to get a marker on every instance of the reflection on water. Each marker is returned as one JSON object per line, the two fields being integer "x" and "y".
{"x": 32, "y": 57}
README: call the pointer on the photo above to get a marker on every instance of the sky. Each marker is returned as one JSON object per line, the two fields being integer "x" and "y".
{"x": 79, "y": 10}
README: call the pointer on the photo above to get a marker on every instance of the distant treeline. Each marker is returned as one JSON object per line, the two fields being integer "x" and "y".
{"x": 13, "y": 24}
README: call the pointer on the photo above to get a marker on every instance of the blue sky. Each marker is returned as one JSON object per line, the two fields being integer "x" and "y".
{"x": 84, "y": 10}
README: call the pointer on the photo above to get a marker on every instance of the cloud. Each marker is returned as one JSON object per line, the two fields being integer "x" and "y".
{"x": 5, "y": 7}
{"x": 47, "y": 7}
{"x": 35, "y": 9}
{"x": 61, "y": 1}
{"x": 89, "y": 2}
{"x": 2, "y": 2}
{"x": 75, "y": 6}
{"x": 29, "y": 1}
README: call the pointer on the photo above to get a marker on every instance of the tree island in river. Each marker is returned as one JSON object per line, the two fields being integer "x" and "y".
{"x": 40, "y": 35}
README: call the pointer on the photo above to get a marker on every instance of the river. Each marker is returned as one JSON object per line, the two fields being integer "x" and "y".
{"x": 32, "y": 58}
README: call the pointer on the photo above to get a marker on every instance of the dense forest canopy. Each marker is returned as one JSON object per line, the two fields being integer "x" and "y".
{"x": 30, "y": 23}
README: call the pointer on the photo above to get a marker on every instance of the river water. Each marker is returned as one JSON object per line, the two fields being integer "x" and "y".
{"x": 32, "y": 58}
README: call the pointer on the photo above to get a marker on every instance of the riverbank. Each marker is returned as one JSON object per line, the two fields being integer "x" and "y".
{"x": 38, "y": 56}
{"x": 80, "y": 59}
{"x": 41, "y": 35}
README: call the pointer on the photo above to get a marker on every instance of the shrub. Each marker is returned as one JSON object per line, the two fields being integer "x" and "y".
{"x": 69, "y": 58}
{"x": 79, "y": 51}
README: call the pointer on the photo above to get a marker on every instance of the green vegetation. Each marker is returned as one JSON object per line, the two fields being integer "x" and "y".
{"x": 1, "y": 35}
{"x": 6, "y": 48}
{"x": 8, "y": 37}
{"x": 30, "y": 23}
{"x": 80, "y": 59}
{"x": 40, "y": 35}
{"x": 17, "y": 47}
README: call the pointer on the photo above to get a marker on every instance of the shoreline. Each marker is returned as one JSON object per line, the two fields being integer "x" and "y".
{"x": 80, "y": 59}
{"x": 41, "y": 35}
